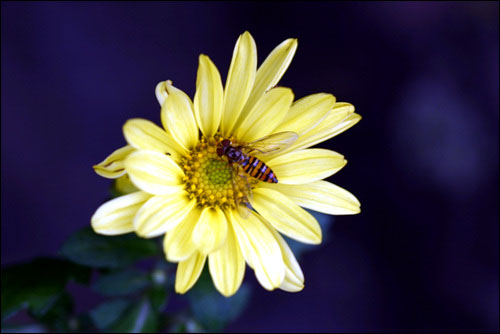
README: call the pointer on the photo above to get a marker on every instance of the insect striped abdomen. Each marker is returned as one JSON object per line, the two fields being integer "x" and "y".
{"x": 259, "y": 170}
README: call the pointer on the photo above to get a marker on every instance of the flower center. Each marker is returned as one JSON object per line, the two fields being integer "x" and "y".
{"x": 211, "y": 179}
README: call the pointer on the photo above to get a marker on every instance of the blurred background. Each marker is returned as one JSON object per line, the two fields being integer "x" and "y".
{"x": 422, "y": 255}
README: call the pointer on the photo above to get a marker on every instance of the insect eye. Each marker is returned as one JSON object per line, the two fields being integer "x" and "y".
{"x": 220, "y": 151}
{"x": 226, "y": 142}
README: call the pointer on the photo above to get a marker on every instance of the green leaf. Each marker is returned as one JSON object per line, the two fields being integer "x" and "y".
{"x": 158, "y": 295}
{"x": 183, "y": 324}
{"x": 37, "y": 285}
{"x": 78, "y": 273}
{"x": 62, "y": 304}
{"x": 121, "y": 283}
{"x": 28, "y": 328}
{"x": 56, "y": 316}
{"x": 94, "y": 250}
{"x": 108, "y": 312}
{"x": 212, "y": 310}
{"x": 82, "y": 324}
{"x": 138, "y": 318}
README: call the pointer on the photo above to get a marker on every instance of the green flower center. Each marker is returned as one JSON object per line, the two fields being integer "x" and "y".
{"x": 218, "y": 172}
{"x": 211, "y": 179}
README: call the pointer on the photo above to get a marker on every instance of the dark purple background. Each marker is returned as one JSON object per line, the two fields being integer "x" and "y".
{"x": 423, "y": 253}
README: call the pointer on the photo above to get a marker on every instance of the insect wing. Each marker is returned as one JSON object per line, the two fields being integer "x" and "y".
{"x": 244, "y": 209}
{"x": 240, "y": 180}
{"x": 272, "y": 143}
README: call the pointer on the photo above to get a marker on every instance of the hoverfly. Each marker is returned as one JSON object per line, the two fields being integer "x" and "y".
{"x": 252, "y": 165}
{"x": 242, "y": 159}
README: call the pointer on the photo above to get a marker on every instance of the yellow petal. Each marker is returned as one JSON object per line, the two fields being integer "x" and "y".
{"x": 124, "y": 186}
{"x": 240, "y": 80}
{"x": 160, "y": 214}
{"x": 227, "y": 265}
{"x": 306, "y": 166}
{"x": 178, "y": 118}
{"x": 294, "y": 278}
{"x": 266, "y": 115}
{"x": 112, "y": 167}
{"x": 188, "y": 272}
{"x": 260, "y": 249}
{"x": 271, "y": 70}
{"x": 145, "y": 135}
{"x": 291, "y": 283}
{"x": 209, "y": 97}
{"x": 161, "y": 92}
{"x": 115, "y": 217}
{"x": 210, "y": 231}
{"x": 178, "y": 243}
{"x": 339, "y": 119}
{"x": 307, "y": 113}
{"x": 346, "y": 123}
{"x": 286, "y": 216}
{"x": 321, "y": 196}
{"x": 154, "y": 172}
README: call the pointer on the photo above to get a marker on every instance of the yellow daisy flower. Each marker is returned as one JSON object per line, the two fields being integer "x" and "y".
{"x": 190, "y": 193}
